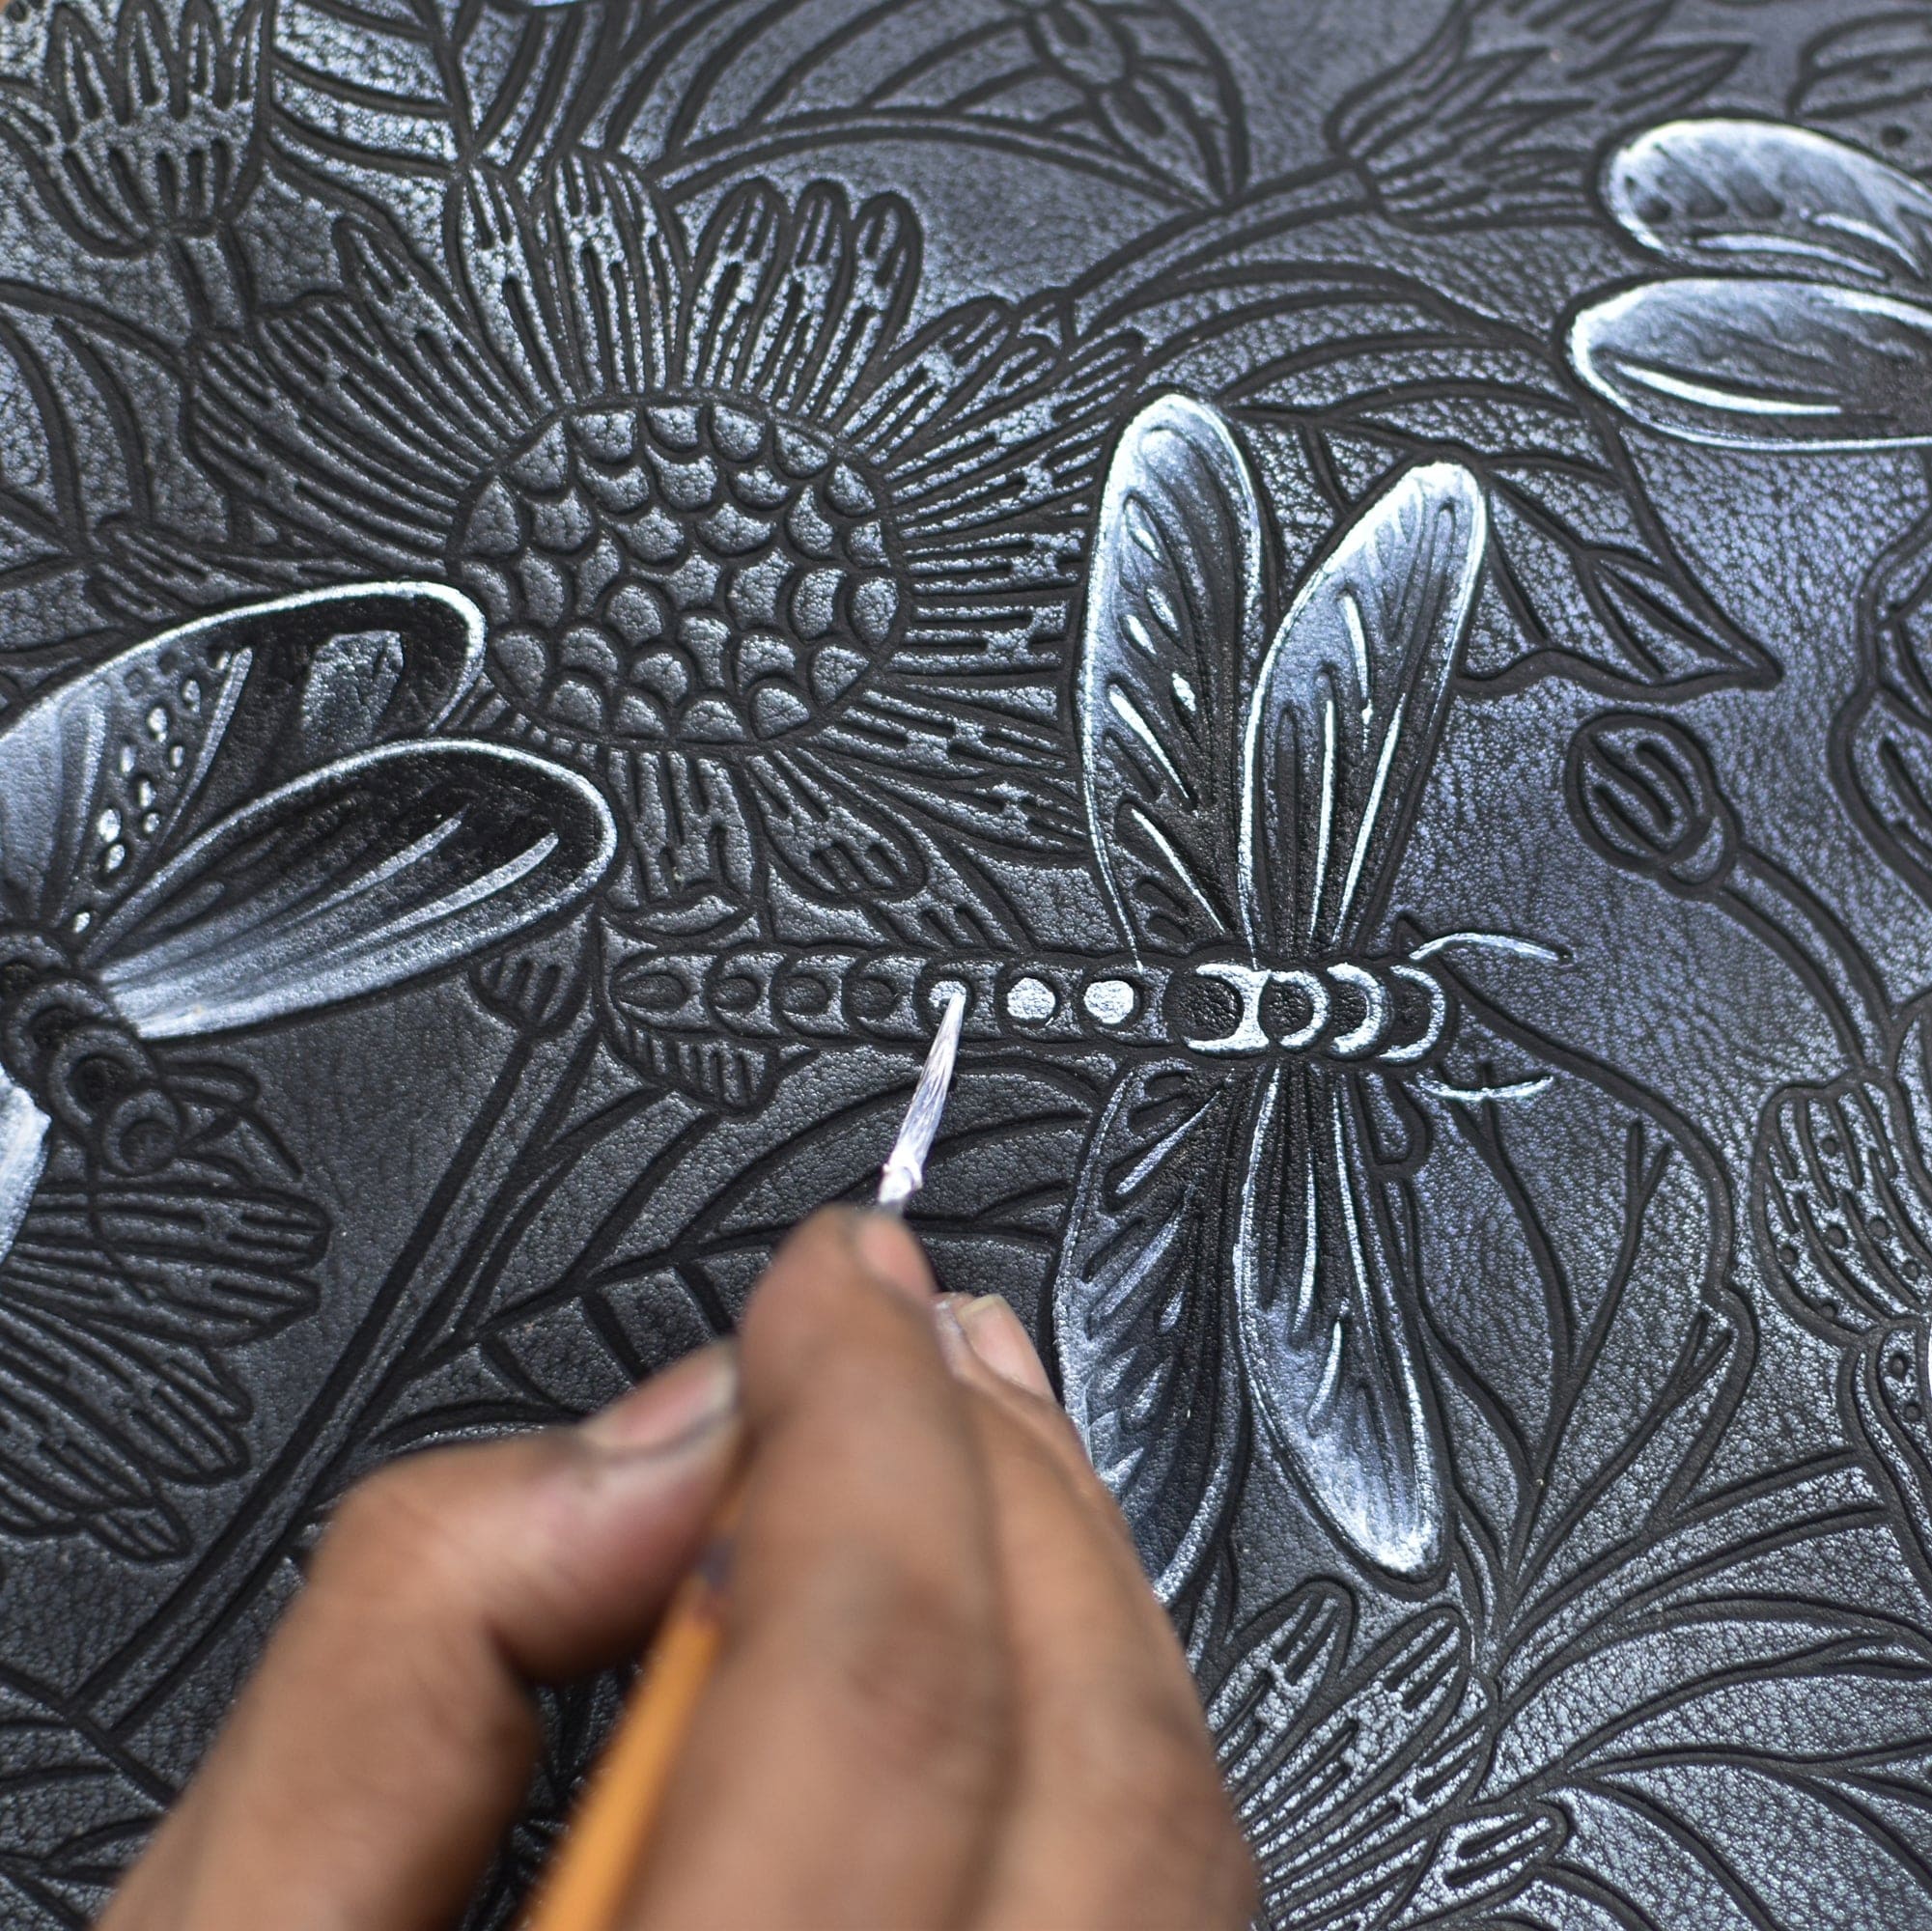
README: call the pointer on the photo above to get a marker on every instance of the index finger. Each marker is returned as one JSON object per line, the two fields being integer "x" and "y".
{"x": 863, "y": 1671}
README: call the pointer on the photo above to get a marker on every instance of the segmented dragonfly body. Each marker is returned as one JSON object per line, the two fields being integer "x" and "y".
{"x": 1236, "y": 1263}
{"x": 1371, "y": 1011}
{"x": 1231, "y": 1249}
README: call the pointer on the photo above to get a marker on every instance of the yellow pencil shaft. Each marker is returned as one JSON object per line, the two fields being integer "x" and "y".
{"x": 593, "y": 1869}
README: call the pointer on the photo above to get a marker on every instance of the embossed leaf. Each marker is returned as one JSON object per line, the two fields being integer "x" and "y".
{"x": 85, "y": 401}
{"x": 1869, "y": 78}
{"x": 1500, "y": 112}
{"x": 637, "y": 1233}
{"x": 77, "y": 1808}
{"x": 1890, "y": 768}
{"x": 1352, "y": 1783}
{"x": 1673, "y": 1645}
{"x": 1745, "y": 194}
{"x": 1138, "y": 94}
{"x": 1762, "y": 364}
{"x": 1583, "y": 581}
{"x": 415, "y": 86}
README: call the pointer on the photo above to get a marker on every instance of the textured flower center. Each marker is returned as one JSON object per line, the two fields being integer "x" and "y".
{"x": 695, "y": 572}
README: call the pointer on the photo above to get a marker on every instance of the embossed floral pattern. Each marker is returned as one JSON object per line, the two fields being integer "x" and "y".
{"x": 752, "y": 549}
{"x": 147, "y": 135}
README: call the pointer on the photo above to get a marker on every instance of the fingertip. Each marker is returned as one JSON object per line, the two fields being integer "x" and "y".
{"x": 688, "y": 1401}
{"x": 890, "y": 1253}
{"x": 993, "y": 1333}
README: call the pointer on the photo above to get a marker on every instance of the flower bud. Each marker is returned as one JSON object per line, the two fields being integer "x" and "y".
{"x": 1644, "y": 794}
{"x": 536, "y": 986}
{"x": 144, "y": 134}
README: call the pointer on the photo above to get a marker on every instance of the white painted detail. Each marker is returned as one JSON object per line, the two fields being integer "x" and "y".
{"x": 1031, "y": 1001}
{"x": 1110, "y": 1001}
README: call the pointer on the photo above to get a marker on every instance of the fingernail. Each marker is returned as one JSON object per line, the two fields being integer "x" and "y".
{"x": 679, "y": 1407}
{"x": 992, "y": 1332}
{"x": 953, "y": 1342}
{"x": 888, "y": 1252}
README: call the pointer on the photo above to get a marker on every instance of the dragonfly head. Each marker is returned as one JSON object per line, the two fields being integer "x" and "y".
{"x": 63, "y": 1043}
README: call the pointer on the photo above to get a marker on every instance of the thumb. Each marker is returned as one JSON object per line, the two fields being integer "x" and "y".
{"x": 382, "y": 1746}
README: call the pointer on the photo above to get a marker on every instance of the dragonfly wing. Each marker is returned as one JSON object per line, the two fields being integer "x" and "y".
{"x": 1139, "y": 1310}
{"x": 359, "y": 876}
{"x": 1348, "y": 708}
{"x": 1321, "y": 1301}
{"x": 103, "y": 775}
{"x": 1173, "y": 619}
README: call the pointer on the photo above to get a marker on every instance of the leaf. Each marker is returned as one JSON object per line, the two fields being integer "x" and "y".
{"x": 1761, "y": 364}
{"x": 77, "y": 1809}
{"x": 637, "y": 1230}
{"x": 1889, "y": 763}
{"x": 1502, "y": 112}
{"x": 1869, "y": 79}
{"x": 1762, "y": 196}
{"x": 1135, "y": 91}
{"x": 376, "y": 88}
{"x": 1349, "y": 1781}
{"x": 1368, "y": 373}
{"x": 1672, "y": 1649}
{"x": 85, "y": 401}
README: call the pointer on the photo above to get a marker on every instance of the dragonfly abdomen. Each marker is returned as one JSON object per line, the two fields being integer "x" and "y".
{"x": 1371, "y": 1012}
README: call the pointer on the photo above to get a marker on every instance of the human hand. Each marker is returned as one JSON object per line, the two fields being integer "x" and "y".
{"x": 946, "y": 1696}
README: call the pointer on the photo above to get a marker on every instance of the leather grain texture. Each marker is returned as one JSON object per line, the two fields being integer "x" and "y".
{"x": 1357, "y": 572}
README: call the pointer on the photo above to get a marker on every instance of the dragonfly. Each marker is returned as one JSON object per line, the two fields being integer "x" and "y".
{"x": 239, "y": 821}
{"x": 1248, "y": 791}
{"x": 1231, "y": 1245}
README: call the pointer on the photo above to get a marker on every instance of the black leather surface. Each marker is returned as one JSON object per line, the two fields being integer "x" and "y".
{"x": 562, "y": 569}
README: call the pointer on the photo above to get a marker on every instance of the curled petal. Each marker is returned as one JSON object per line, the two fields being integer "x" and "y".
{"x": 1762, "y": 195}
{"x": 1769, "y": 365}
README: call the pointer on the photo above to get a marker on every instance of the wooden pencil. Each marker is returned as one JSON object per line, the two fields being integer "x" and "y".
{"x": 592, "y": 1872}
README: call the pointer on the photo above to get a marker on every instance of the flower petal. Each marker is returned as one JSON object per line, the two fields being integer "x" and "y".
{"x": 1770, "y": 365}
{"x": 945, "y": 358}
{"x": 837, "y": 844}
{"x": 1759, "y": 194}
{"x": 618, "y": 275}
{"x": 78, "y": 77}
{"x": 686, "y": 853}
{"x": 886, "y": 249}
{"x": 141, "y": 53}
{"x": 811, "y": 288}
{"x": 505, "y": 272}
{"x": 737, "y": 260}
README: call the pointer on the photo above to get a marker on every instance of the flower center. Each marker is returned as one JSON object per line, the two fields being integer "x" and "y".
{"x": 693, "y": 572}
